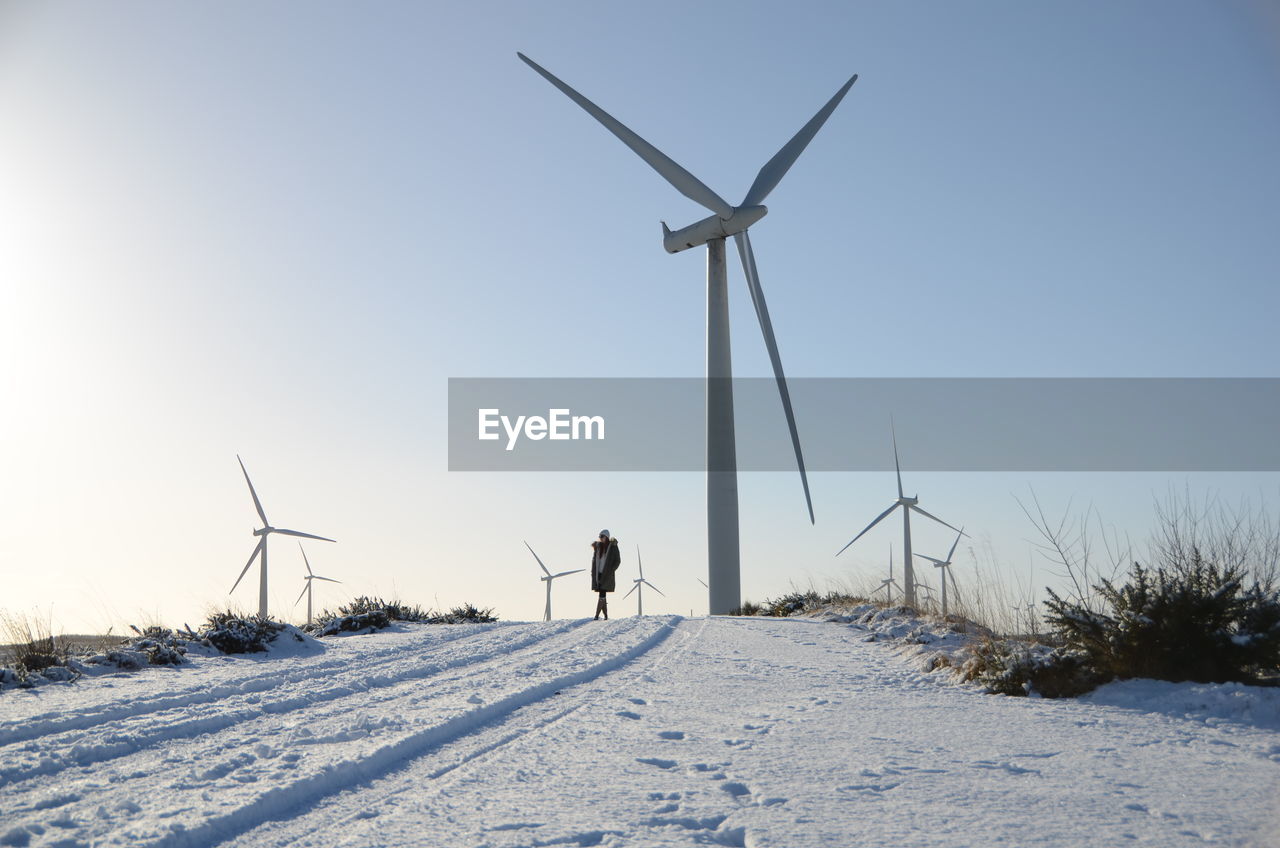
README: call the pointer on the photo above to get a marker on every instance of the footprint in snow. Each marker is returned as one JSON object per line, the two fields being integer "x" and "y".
{"x": 671, "y": 734}
{"x": 655, "y": 761}
{"x": 629, "y": 714}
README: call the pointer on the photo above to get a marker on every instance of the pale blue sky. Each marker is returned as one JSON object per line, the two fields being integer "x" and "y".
{"x": 277, "y": 229}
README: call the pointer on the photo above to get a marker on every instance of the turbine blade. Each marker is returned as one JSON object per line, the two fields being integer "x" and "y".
{"x": 639, "y": 563}
{"x": 563, "y": 573}
{"x": 776, "y": 168}
{"x": 256, "y": 503}
{"x": 325, "y": 579}
{"x": 703, "y": 582}
{"x": 932, "y": 560}
{"x": 879, "y": 518}
{"x": 683, "y": 181}
{"x": 633, "y": 588}
{"x": 896, "y": 466}
{"x": 771, "y": 343}
{"x": 305, "y": 561}
{"x": 301, "y": 535}
{"x": 305, "y": 587}
{"x": 952, "y": 552}
{"x": 539, "y": 559}
{"x": 257, "y": 550}
{"x": 653, "y": 587}
{"x": 936, "y": 518}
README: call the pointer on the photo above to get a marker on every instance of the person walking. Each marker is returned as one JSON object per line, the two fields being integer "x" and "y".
{"x": 605, "y": 559}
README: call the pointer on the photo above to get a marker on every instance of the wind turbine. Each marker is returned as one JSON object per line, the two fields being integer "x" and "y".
{"x": 547, "y": 578}
{"x": 908, "y": 505}
{"x": 306, "y": 590}
{"x": 945, "y": 565}
{"x": 263, "y": 532}
{"x": 726, "y": 220}
{"x": 888, "y": 584}
{"x": 640, "y": 582}
{"x": 928, "y": 591}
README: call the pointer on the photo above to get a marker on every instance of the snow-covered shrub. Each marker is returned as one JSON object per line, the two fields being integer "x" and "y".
{"x": 466, "y": 614}
{"x": 234, "y": 633}
{"x": 1191, "y": 621}
{"x": 160, "y": 645}
{"x": 365, "y": 614}
{"x": 1014, "y": 667}
{"x": 747, "y": 608}
{"x": 32, "y": 650}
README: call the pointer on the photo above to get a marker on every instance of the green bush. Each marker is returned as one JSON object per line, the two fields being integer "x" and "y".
{"x": 1013, "y": 667}
{"x": 1194, "y": 620}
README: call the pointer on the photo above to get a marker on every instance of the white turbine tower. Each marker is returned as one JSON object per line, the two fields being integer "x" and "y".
{"x": 547, "y": 578}
{"x": 945, "y": 565}
{"x": 889, "y": 583}
{"x": 908, "y": 505}
{"x": 306, "y": 590}
{"x": 263, "y": 532}
{"x": 726, "y": 220}
{"x": 638, "y": 584}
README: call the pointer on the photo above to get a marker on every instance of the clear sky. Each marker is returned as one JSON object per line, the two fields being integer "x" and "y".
{"x": 278, "y": 229}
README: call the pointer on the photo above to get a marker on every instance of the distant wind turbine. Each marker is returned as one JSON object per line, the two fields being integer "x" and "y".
{"x": 889, "y": 583}
{"x": 263, "y": 532}
{"x": 945, "y": 565}
{"x": 928, "y": 591}
{"x": 547, "y": 578}
{"x": 640, "y": 582}
{"x": 306, "y": 590}
{"x": 908, "y": 505}
{"x": 726, "y": 220}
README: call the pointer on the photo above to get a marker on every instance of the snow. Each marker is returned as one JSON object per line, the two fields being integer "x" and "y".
{"x": 636, "y": 731}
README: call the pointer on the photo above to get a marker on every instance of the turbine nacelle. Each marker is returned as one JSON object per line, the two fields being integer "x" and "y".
{"x": 712, "y": 227}
{"x": 906, "y": 501}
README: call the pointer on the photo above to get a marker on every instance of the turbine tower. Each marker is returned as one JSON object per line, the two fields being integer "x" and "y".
{"x": 945, "y": 565}
{"x": 726, "y": 220}
{"x": 908, "y": 505}
{"x": 546, "y": 615}
{"x": 263, "y": 532}
{"x": 639, "y": 583}
{"x": 306, "y": 590}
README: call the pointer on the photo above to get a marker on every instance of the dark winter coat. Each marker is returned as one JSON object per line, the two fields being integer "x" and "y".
{"x": 612, "y": 559}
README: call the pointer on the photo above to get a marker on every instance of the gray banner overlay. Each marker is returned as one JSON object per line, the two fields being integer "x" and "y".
{"x": 983, "y": 424}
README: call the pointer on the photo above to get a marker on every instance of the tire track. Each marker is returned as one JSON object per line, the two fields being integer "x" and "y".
{"x": 84, "y": 747}
{"x": 45, "y": 724}
{"x": 312, "y": 789}
{"x": 347, "y": 813}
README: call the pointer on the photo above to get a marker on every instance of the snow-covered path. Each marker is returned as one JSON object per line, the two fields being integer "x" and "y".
{"x": 653, "y": 731}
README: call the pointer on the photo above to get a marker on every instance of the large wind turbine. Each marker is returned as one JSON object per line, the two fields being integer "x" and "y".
{"x": 726, "y": 220}
{"x": 263, "y": 532}
{"x": 908, "y": 505}
{"x": 546, "y": 615}
{"x": 638, "y": 585}
{"x": 945, "y": 565}
{"x": 311, "y": 575}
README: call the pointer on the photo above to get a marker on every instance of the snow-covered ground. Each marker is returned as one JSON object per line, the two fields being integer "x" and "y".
{"x": 636, "y": 731}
